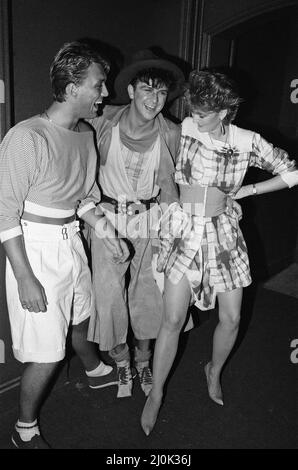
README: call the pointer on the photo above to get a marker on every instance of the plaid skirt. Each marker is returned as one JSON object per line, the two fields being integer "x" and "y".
{"x": 211, "y": 252}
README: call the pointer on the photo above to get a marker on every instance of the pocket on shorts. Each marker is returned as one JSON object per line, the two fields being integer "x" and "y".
{"x": 34, "y": 253}
{"x": 43, "y": 256}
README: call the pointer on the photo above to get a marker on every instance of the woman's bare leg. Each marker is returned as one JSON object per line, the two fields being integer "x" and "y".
{"x": 176, "y": 302}
{"x": 224, "y": 338}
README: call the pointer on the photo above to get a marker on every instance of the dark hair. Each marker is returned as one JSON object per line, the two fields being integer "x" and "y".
{"x": 71, "y": 64}
{"x": 159, "y": 77}
{"x": 213, "y": 91}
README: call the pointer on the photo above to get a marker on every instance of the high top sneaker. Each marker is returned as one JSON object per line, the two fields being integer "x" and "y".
{"x": 145, "y": 376}
{"x": 142, "y": 366}
{"x": 124, "y": 379}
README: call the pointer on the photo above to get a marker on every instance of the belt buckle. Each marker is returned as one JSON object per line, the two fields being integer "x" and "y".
{"x": 64, "y": 233}
{"x": 136, "y": 208}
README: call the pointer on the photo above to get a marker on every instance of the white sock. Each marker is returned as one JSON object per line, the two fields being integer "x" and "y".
{"x": 100, "y": 370}
{"x": 27, "y": 430}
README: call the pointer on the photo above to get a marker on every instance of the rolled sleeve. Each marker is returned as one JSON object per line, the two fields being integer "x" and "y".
{"x": 82, "y": 210}
{"x": 11, "y": 233}
{"x": 290, "y": 178}
{"x": 90, "y": 201}
{"x": 272, "y": 159}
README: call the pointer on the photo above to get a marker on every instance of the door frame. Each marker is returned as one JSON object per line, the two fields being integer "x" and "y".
{"x": 207, "y": 35}
{"x": 5, "y": 68}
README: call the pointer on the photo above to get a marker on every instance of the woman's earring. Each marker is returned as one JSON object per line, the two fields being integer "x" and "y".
{"x": 223, "y": 131}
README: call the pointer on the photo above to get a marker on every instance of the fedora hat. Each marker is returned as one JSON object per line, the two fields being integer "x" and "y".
{"x": 146, "y": 59}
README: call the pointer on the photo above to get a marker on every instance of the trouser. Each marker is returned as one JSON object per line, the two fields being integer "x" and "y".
{"x": 116, "y": 304}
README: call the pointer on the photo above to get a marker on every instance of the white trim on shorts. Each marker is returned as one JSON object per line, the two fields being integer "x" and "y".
{"x": 36, "y": 209}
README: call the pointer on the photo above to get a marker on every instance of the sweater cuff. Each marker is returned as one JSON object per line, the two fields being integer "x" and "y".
{"x": 85, "y": 208}
{"x": 290, "y": 178}
{"x": 11, "y": 233}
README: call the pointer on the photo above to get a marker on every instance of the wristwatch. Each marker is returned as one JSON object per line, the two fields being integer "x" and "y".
{"x": 254, "y": 190}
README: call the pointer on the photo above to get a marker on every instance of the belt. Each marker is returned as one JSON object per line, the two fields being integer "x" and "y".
{"x": 146, "y": 203}
{"x": 40, "y": 219}
{"x": 203, "y": 201}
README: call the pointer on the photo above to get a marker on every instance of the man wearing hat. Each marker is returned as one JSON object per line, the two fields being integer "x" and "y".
{"x": 137, "y": 148}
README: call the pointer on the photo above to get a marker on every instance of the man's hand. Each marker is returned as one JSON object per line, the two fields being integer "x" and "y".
{"x": 105, "y": 230}
{"x": 32, "y": 294}
{"x": 118, "y": 247}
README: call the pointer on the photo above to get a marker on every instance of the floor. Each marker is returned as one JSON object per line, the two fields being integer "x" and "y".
{"x": 285, "y": 282}
{"x": 259, "y": 383}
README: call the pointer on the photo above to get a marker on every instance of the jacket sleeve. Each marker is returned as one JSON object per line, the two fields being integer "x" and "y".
{"x": 166, "y": 173}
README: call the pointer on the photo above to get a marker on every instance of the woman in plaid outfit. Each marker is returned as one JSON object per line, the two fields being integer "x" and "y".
{"x": 210, "y": 259}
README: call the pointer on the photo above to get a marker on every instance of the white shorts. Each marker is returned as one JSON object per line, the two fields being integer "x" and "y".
{"x": 58, "y": 260}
